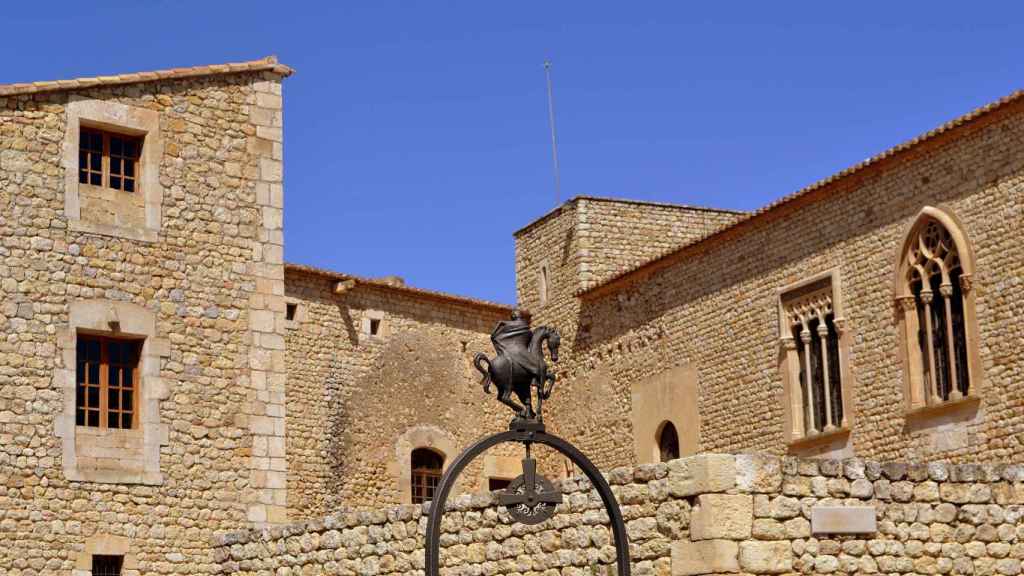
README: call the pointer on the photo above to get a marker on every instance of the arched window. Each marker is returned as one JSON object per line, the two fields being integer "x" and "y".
{"x": 936, "y": 310}
{"x": 668, "y": 442}
{"x": 426, "y": 473}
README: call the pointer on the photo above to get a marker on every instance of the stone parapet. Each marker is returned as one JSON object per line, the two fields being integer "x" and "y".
{"x": 760, "y": 521}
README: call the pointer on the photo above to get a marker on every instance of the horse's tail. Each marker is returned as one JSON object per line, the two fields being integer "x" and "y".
{"x": 479, "y": 360}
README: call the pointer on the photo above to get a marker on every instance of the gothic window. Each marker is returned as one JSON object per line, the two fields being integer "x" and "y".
{"x": 814, "y": 356}
{"x": 934, "y": 304}
{"x": 668, "y": 442}
{"x": 426, "y": 473}
{"x": 106, "y": 382}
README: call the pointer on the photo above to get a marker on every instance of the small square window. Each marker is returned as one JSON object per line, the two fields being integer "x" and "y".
{"x": 290, "y": 309}
{"x": 374, "y": 326}
{"x": 496, "y": 484}
{"x": 109, "y": 160}
{"x": 104, "y": 565}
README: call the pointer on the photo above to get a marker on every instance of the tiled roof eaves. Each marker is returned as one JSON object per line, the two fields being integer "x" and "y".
{"x": 416, "y": 292}
{"x": 574, "y": 199}
{"x": 265, "y": 64}
{"x": 844, "y": 179}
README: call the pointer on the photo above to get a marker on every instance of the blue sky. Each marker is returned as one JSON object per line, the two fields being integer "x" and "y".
{"x": 416, "y": 135}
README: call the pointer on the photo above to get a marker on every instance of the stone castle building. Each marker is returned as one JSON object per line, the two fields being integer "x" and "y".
{"x": 169, "y": 386}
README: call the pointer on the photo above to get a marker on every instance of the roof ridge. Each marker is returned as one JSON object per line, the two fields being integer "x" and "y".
{"x": 268, "y": 63}
{"x": 379, "y": 283}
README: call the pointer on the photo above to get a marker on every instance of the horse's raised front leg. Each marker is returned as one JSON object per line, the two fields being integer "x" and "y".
{"x": 546, "y": 391}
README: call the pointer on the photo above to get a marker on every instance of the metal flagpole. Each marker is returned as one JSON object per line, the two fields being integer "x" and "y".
{"x": 554, "y": 138}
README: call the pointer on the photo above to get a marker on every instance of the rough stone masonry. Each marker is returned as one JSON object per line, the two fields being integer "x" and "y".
{"x": 707, "y": 514}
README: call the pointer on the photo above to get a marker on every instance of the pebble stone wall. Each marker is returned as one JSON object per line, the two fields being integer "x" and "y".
{"x": 716, "y": 309}
{"x": 352, "y": 396}
{"x": 197, "y": 279}
{"x": 705, "y": 514}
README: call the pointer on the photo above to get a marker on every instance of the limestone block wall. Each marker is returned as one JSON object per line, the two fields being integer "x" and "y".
{"x": 194, "y": 283}
{"x": 358, "y": 403}
{"x": 707, "y": 514}
{"x": 713, "y": 310}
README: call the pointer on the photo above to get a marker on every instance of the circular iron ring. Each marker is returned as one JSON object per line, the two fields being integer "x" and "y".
{"x": 433, "y": 548}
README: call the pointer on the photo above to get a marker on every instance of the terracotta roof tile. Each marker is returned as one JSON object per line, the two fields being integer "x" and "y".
{"x": 269, "y": 64}
{"x": 821, "y": 186}
{"x": 382, "y": 284}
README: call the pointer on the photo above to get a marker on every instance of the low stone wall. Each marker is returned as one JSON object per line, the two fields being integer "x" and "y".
{"x": 699, "y": 515}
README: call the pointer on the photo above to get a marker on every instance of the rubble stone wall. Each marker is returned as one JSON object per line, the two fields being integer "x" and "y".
{"x": 357, "y": 403}
{"x": 715, "y": 311}
{"x": 707, "y": 514}
{"x": 618, "y": 235}
{"x": 207, "y": 279}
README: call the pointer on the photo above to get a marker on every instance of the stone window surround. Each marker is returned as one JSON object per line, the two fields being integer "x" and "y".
{"x": 543, "y": 283}
{"x": 499, "y": 467}
{"x": 421, "y": 436}
{"x": 105, "y": 545}
{"x": 669, "y": 396}
{"x": 99, "y": 317}
{"x": 364, "y": 324}
{"x": 789, "y": 368}
{"x": 116, "y": 117}
{"x": 913, "y": 387}
{"x": 300, "y": 313}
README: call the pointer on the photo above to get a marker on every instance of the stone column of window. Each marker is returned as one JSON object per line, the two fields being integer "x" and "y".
{"x": 805, "y": 337}
{"x": 839, "y": 324}
{"x": 916, "y": 387}
{"x": 933, "y": 382}
{"x": 792, "y": 359}
{"x": 823, "y": 340}
{"x": 946, "y": 289}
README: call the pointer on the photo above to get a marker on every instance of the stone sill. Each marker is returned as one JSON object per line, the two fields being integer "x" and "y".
{"x": 816, "y": 440}
{"x": 140, "y": 234}
{"x": 131, "y": 433}
{"x": 951, "y": 407}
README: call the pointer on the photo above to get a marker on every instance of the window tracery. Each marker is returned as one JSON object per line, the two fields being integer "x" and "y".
{"x": 933, "y": 298}
{"x": 812, "y": 345}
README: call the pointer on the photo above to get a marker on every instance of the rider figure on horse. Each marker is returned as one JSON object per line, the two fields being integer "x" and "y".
{"x": 519, "y": 363}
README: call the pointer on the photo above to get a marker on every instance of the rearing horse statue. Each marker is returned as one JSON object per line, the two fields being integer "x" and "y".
{"x": 519, "y": 365}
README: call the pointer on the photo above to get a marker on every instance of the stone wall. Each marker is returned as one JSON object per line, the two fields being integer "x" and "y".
{"x": 713, "y": 310}
{"x": 193, "y": 280}
{"x": 358, "y": 403}
{"x": 698, "y": 515}
{"x": 618, "y": 235}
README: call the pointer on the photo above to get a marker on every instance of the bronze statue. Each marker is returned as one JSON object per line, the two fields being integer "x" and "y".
{"x": 519, "y": 365}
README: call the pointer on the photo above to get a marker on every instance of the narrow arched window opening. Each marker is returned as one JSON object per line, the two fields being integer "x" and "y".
{"x": 668, "y": 442}
{"x": 426, "y": 473}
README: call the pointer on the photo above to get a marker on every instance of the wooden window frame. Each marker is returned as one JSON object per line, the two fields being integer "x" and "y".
{"x": 104, "y": 383}
{"x": 105, "y": 173}
{"x": 107, "y": 564}
{"x": 424, "y": 479}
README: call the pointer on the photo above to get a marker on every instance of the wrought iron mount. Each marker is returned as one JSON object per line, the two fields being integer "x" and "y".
{"x": 544, "y": 498}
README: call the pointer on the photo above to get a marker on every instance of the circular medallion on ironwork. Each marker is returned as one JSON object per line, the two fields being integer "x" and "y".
{"x": 531, "y": 506}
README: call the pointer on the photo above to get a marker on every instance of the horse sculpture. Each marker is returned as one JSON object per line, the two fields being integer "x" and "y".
{"x": 519, "y": 365}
